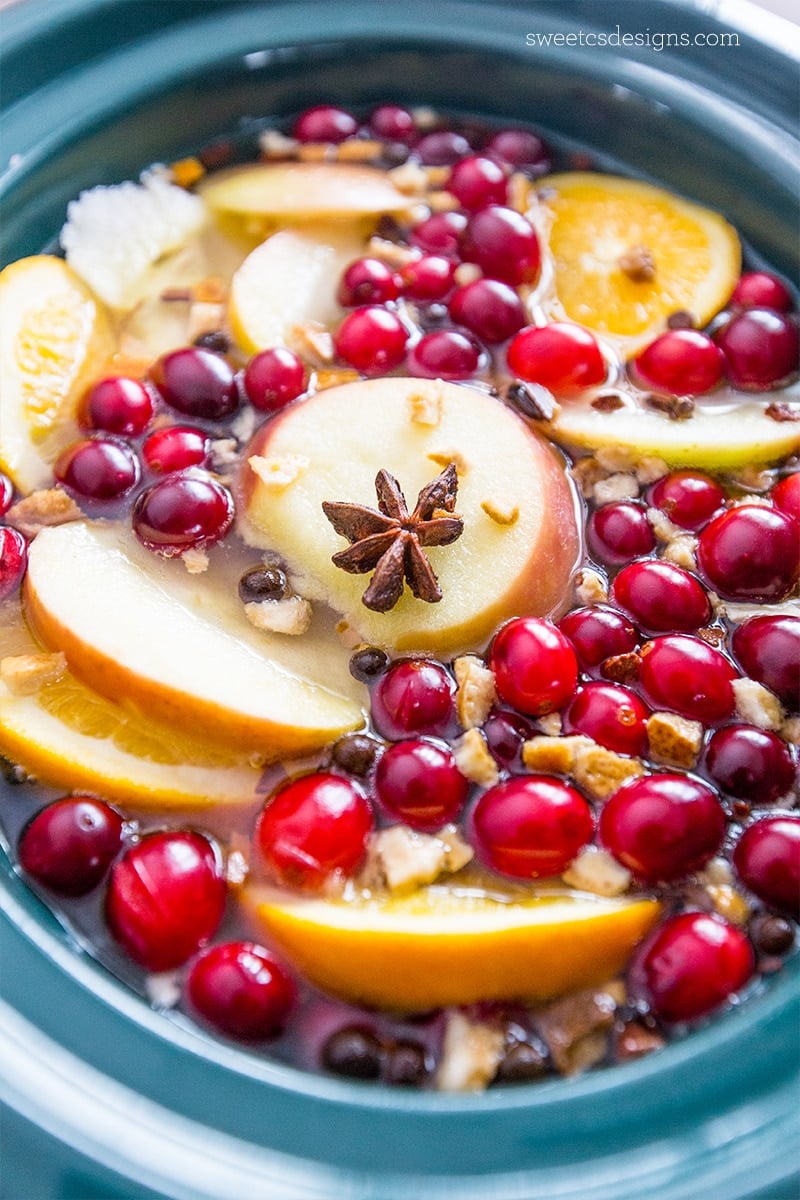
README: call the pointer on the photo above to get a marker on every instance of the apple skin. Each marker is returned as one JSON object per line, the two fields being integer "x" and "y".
{"x": 493, "y": 572}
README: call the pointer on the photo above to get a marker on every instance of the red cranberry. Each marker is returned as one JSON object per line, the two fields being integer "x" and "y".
{"x": 534, "y": 665}
{"x": 6, "y": 494}
{"x": 750, "y": 553}
{"x": 610, "y": 714}
{"x": 683, "y": 362}
{"x": 768, "y": 649}
{"x": 444, "y": 354}
{"x": 520, "y": 148}
{"x": 367, "y": 281}
{"x": 598, "y": 633}
{"x": 442, "y": 148}
{"x": 182, "y": 512}
{"x": 196, "y": 382}
{"x": 687, "y": 676}
{"x": 324, "y": 123}
{"x": 175, "y": 448}
{"x": 440, "y": 233}
{"x": 419, "y": 783}
{"x": 274, "y": 377}
{"x": 688, "y": 498}
{"x": 692, "y": 965}
{"x": 506, "y": 732}
{"x": 620, "y": 531}
{"x": 785, "y": 495}
{"x": 761, "y": 289}
{"x": 662, "y": 827}
{"x": 414, "y": 697}
{"x": 13, "y": 560}
{"x": 97, "y": 468}
{"x": 476, "y": 181}
{"x": 661, "y": 597}
{"x": 166, "y": 898}
{"x": 531, "y": 826}
{"x": 427, "y": 278}
{"x": 504, "y": 245}
{"x": 117, "y": 405}
{"x": 562, "y": 357}
{"x": 241, "y": 990}
{"x": 750, "y": 764}
{"x": 70, "y": 845}
{"x": 490, "y": 309}
{"x": 391, "y": 123}
{"x": 767, "y": 860}
{"x": 761, "y": 348}
{"x": 371, "y": 339}
{"x": 312, "y": 827}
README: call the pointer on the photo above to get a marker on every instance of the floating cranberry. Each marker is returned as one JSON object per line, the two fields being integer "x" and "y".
{"x": 182, "y": 512}
{"x": 762, "y": 289}
{"x": 371, "y": 339}
{"x": 490, "y": 309}
{"x": 504, "y": 245}
{"x": 750, "y": 764}
{"x": 768, "y": 649}
{"x": 391, "y": 123}
{"x": 97, "y": 468}
{"x": 688, "y": 498}
{"x": 767, "y": 860}
{"x": 662, "y": 827}
{"x": 562, "y": 357}
{"x": 312, "y": 827}
{"x": 476, "y": 181}
{"x": 681, "y": 362}
{"x": 531, "y": 826}
{"x": 6, "y": 494}
{"x": 750, "y": 553}
{"x": 70, "y": 845}
{"x": 324, "y": 123}
{"x": 428, "y": 278}
{"x": 597, "y": 633}
{"x": 444, "y": 354}
{"x": 175, "y": 448}
{"x": 440, "y": 233}
{"x": 166, "y": 898}
{"x": 274, "y": 377}
{"x": 13, "y": 560}
{"x": 611, "y": 715}
{"x": 521, "y": 149}
{"x": 241, "y": 990}
{"x": 196, "y": 382}
{"x": 506, "y": 732}
{"x": 117, "y": 404}
{"x": 785, "y": 495}
{"x": 693, "y": 964}
{"x": 687, "y": 676}
{"x": 761, "y": 348}
{"x": 534, "y": 665}
{"x": 413, "y": 697}
{"x": 419, "y": 783}
{"x": 661, "y": 596}
{"x": 367, "y": 281}
{"x": 442, "y": 148}
{"x": 620, "y": 531}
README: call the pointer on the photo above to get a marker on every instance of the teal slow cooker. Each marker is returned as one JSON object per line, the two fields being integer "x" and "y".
{"x": 105, "y": 1098}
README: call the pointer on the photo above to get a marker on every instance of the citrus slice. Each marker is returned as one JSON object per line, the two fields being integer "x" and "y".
{"x": 605, "y": 229}
{"x": 54, "y": 337}
{"x": 443, "y": 946}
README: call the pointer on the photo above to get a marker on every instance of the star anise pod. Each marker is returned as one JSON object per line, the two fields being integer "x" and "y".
{"x": 390, "y": 540}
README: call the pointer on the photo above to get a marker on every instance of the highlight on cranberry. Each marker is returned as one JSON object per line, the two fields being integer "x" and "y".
{"x": 534, "y": 666}
{"x": 70, "y": 845}
{"x": 532, "y": 826}
{"x": 241, "y": 990}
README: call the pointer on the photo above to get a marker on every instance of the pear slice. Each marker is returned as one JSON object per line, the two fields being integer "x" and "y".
{"x": 520, "y": 540}
{"x": 144, "y": 632}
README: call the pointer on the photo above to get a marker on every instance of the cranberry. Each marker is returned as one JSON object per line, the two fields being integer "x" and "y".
{"x": 768, "y": 649}
{"x": 70, "y": 844}
{"x": 371, "y": 339}
{"x": 750, "y": 553}
{"x": 692, "y": 965}
{"x": 687, "y": 676}
{"x": 312, "y": 827}
{"x": 419, "y": 783}
{"x": 785, "y": 495}
{"x": 761, "y": 348}
{"x": 440, "y": 234}
{"x": 367, "y": 281}
{"x": 6, "y": 494}
{"x": 534, "y": 665}
{"x": 683, "y": 362}
{"x": 620, "y": 531}
{"x": 520, "y": 148}
{"x": 610, "y": 714}
{"x": 324, "y": 123}
{"x": 444, "y": 354}
{"x": 662, "y": 827}
{"x": 767, "y": 860}
{"x": 442, "y": 148}
{"x": 13, "y": 560}
{"x": 750, "y": 764}
{"x": 117, "y": 405}
{"x": 761, "y": 289}
{"x": 166, "y": 898}
{"x": 490, "y": 309}
{"x": 182, "y": 512}
{"x": 427, "y": 278}
{"x": 391, "y": 123}
{"x": 414, "y": 697}
{"x": 196, "y": 382}
{"x": 688, "y": 498}
{"x": 273, "y": 378}
{"x": 506, "y": 732}
{"x": 598, "y": 633}
{"x": 562, "y": 357}
{"x": 175, "y": 448}
{"x": 661, "y": 597}
{"x": 476, "y": 181}
{"x": 241, "y": 990}
{"x": 97, "y": 468}
{"x": 531, "y": 826}
{"x": 504, "y": 245}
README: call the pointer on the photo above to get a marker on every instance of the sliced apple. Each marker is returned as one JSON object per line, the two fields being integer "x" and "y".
{"x": 142, "y": 631}
{"x": 520, "y": 540}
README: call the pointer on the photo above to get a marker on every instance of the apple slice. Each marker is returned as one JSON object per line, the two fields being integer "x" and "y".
{"x": 142, "y": 631}
{"x": 520, "y": 541}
